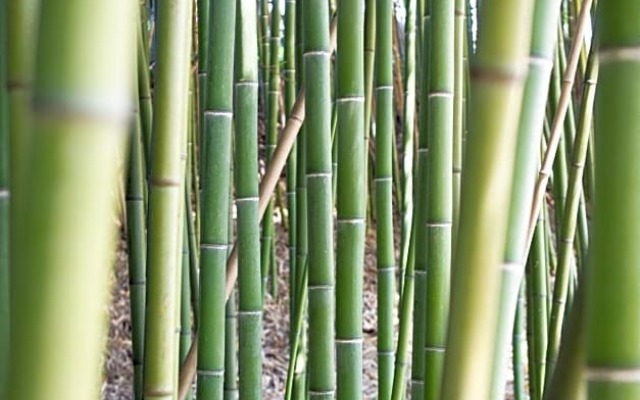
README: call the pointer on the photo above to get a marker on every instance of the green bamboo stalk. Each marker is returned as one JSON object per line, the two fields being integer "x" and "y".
{"x": 567, "y": 230}
{"x": 264, "y": 53}
{"x": 231, "y": 348}
{"x": 4, "y": 208}
{"x": 289, "y": 74}
{"x": 19, "y": 26}
{"x": 21, "y": 19}
{"x": 321, "y": 364}
{"x": 406, "y": 320}
{"x": 559, "y": 182}
{"x": 302, "y": 243}
{"x": 458, "y": 109}
{"x": 408, "y": 124}
{"x": 249, "y": 287}
{"x": 137, "y": 246}
{"x": 214, "y": 234}
{"x": 519, "y": 340}
{"x": 268, "y": 234}
{"x": 231, "y": 314}
{"x": 64, "y": 246}
{"x": 351, "y": 201}
{"x": 166, "y": 197}
{"x": 185, "y": 303}
{"x": 541, "y": 51}
{"x": 420, "y": 214}
{"x": 369, "y": 60}
{"x": 203, "y": 30}
{"x": 297, "y": 324}
{"x": 334, "y": 148}
{"x": 194, "y": 262}
{"x": 440, "y": 191}
{"x": 144, "y": 95}
{"x": 537, "y": 288}
{"x": 184, "y": 209}
{"x": 302, "y": 247}
{"x": 531, "y": 340}
{"x": 385, "y": 120}
{"x": 613, "y": 359}
{"x": 568, "y": 379}
{"x": 498, "y": 78}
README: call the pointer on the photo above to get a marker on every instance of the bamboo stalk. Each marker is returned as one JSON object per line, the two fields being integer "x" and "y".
{"x": 369, "y": 59}
{"x": 439, "y": 193}
{"x": 136, "y": 246}
{"x": 216, "y": 177}
{"x": 273, "y": 94}
{"x": 612, "y": 318}
{"x": 409, "y": 117}
{"x": 246, "y": 122}
{"x": 384, "y": 138}
{"x": 498, "y": 78}
{"x": 405, "y": 328}
{"x": 4, "y": 210}
{"x": 460, "y": 68}
{"x": 63, "y": 249}
{"x": 321, "y": 284}
{"x": 166, "y": 197}
{"x": 231, "y": 319}
{"x": 185, "y": 302}
{"x": 351, "y": 203}
{"x": 19, "y": 35}
{"x": 519, "y": 340}
{"x": 203, "y": 49}
{"x": 420, "y": 214}
{"x": 289, "y": 74}
{"x": 537, "y": 273}
{"x": 568, "y": 379}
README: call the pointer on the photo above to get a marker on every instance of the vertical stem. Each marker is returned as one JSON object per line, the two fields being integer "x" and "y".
{"x": 320, "y": 229}
{"x": 231, "y": 319}
{"x": 385, "y": 120}
{"x": 4, "y": 207}
{"x": 185, "y": 303}
{"x": 459, "y": 68}
{"x": 369, "y": 59}
{"x": 613, "y": 356}
{"x": 498, "y": 78}
{"x": 62, "y": 251}
{"x": 166, "y": 197}
{"x": 519, "y": 340}
{"x": 351, "y": 204}
{"x": 19, "y": 33}
{"x": 420, "y": 215}
{"x": 409, "y": 116}
{"x": 440, "y": 192}
{"x": 137, "y": 246}
{"x": 268, "y": 238}
{"x": 289, "y": 74}
{"x": 249, "y": 288}
{"x": 216, "y": 176}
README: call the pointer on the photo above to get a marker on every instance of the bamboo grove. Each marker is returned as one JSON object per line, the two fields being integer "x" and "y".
{"x": 486, "y": 155}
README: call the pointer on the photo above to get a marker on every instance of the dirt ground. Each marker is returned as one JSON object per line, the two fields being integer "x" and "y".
{"x": 118, "y": 365}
